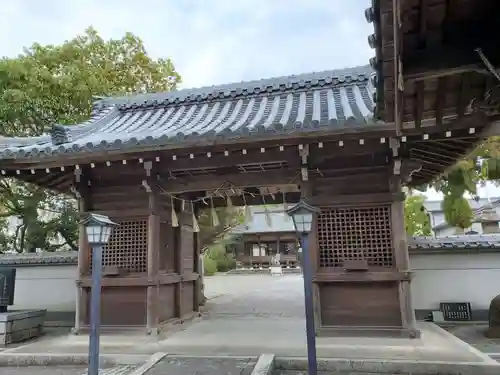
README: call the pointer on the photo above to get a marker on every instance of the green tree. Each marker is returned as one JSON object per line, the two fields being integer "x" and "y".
{"x": 463, "y": 178}
{"x": 227, "y": 218}
{"x": 53, "y": 84}
{"x": 417, "y": 221}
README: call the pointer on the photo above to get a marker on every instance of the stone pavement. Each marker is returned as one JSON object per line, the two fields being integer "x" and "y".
{"x": 42, "y": 370}
{"x": 62, "y": 370}
{"x": 474, "y": 335}
{"x": 247, "y": 315}
{"x": 203, "y": 366}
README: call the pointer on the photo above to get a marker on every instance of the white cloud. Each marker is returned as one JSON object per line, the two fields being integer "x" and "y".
{"x": 210, "y": 42}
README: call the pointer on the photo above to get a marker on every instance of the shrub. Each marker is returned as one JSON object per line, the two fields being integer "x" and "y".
{"x": 209, "y": 266}
{"x": 225, "y": 263}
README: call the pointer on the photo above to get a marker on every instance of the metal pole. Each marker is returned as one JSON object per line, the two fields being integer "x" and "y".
{"x": 95, "y": 310}
{"x": 312, "y": 365}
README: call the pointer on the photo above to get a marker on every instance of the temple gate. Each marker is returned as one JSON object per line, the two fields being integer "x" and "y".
{"x": 152, "y": 161}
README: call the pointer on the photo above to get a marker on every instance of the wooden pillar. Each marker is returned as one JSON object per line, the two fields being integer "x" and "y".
{"x": 260, "y": 251}
{"x": 178, "y": 265}
{"x": 402, "y": 259}
{"x": 153, "y": 258}
{"x": 83, "y": 265}
{"x": 198, "y": 284}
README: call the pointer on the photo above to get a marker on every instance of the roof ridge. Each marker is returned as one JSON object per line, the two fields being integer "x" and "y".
{"x": 337, "y": 77}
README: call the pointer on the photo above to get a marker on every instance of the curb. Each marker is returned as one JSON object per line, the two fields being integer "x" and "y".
{"x": 151, "y": 362}
{"x": 264, "y": 365}
{"x": 485, "y": 357}
{"x": 381, "y": 366}
{"x": 51, "y": 359}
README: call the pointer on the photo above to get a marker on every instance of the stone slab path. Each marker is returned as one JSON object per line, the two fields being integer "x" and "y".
{"x": 63, "y": 370}
{"x": 203, "y": 366}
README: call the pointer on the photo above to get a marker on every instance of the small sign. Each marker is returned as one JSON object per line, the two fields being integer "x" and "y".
{"x": 456, "y": 311}
{"x": 7, "y": 282}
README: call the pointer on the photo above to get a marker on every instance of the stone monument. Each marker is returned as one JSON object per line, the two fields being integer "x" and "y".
{"x": 20, "y": 325}
{"x": 493, "y": 331}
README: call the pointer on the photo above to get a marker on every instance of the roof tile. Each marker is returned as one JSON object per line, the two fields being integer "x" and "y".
{"x": 276, "y": 106}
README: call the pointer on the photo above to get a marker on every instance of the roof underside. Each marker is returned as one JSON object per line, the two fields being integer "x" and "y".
{"x": 276, "y": 107}
{"x": 434, "y": 52}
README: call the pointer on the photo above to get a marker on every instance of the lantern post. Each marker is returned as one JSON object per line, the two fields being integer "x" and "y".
{"x": 303, "y": 215}
{"x": 98, "y": 229}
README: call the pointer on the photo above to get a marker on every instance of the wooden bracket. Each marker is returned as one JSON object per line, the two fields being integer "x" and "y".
{"x": 304, "y": 156}
{"x": 148, "y": 166}
{"x": 78, "y": 175}
{"x": 397, "y": 167}
{"x": 146, "y": 186}
{"x": 75, "y": 191}
{"x": 408, "y": 168}
{"x": 394, "y": 144}
{"x": 489, "y": 104}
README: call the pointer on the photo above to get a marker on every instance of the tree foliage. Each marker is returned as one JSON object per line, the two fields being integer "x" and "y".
{"x": 227, "y": 218}
{"x": 480, "y": 166}
{"x": 417, "y": 221}
{"x": 57, "y": 84}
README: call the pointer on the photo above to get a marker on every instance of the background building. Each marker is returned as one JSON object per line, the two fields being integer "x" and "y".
{"x": 443, "y": 229}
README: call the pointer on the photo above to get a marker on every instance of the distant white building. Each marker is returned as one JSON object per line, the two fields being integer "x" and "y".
{"x": 479, "y": 226}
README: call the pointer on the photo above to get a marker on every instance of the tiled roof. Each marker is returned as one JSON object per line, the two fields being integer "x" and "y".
{"x": 479, "y": 242}
{"x": 33, "y": 259}
{"x": 329, "y": 100}
{"x": 416, "y": 244}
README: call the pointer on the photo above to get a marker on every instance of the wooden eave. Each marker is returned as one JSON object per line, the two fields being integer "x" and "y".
{"x": 426, "y": 62}
{"x": 260, "y": 165}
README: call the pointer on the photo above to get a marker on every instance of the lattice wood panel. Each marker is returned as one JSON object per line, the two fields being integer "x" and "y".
{"x": 355, "y": 233}
{"x": 128, "y": 246}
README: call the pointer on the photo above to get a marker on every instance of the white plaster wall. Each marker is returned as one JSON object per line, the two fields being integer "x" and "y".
{"x": 473, "y": 277}
{"x": 46, "y": 287}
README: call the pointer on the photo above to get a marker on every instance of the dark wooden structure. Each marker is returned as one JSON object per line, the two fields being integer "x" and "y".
{"x": 320, "y": 136}
{"x": 270, "y": 232}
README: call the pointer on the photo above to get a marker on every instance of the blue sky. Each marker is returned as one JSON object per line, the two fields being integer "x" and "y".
{"x": 210, "y": 42}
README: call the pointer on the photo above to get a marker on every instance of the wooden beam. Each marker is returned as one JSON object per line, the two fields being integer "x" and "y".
{"x": 240, "y": 180}
{"x": 419, "y": 103}
{"x": 398, "y": 67}
{"x": 439, "y": 105}
{"x": 249, "y": 200}
{"x": 492, "y": 130}
{"x": 441, "y": 62}
{"x": 252, "y": 157}
{"x": 439, "y": 154}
